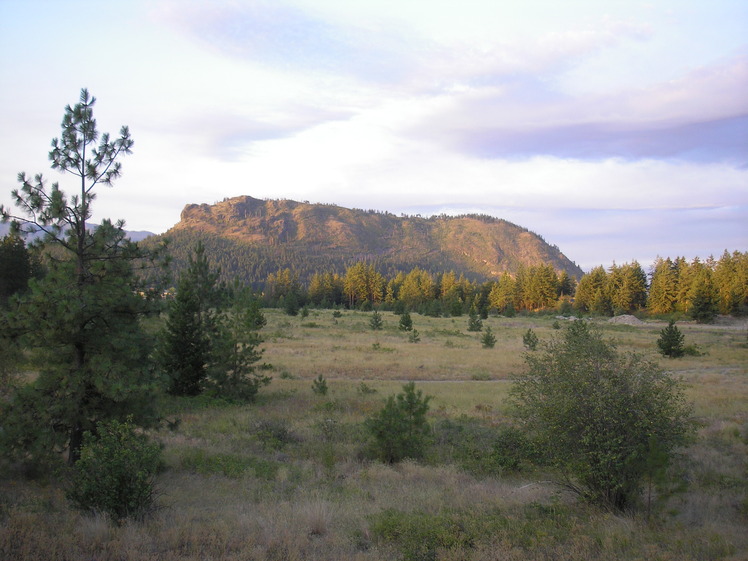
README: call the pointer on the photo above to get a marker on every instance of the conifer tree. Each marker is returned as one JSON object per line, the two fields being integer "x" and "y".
{"x": 376, "y": 322}
{"x": 406, "y": 322}
{"x": 488, "y": 340}
{"x": 474, "y": 321}
{"x": 83, "y": 316}
{"x": 186, "y": 346}
{"x": 670, "y": 342}
{"x": 15, "y": 266}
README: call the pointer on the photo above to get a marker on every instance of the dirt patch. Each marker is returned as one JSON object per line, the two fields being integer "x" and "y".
{"x": 626, "y": 319}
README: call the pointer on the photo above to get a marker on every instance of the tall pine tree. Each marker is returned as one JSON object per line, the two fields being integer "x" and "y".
{"x": 83, "y": 317}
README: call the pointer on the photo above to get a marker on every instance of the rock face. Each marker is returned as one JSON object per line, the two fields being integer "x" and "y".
{"x": 478, "y": 245}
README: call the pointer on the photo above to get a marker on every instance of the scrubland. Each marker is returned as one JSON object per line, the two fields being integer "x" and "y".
{"x": 288, "y": 477}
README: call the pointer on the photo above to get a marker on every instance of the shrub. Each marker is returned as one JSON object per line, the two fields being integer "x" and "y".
{"x": 400, "y": 429}
{"x": 670, "y": 342}
{"x": 274, "y": 434}
{"x": 479, "y": 448}
{"x": 319, "y": 385}
{"x": 116, "y": 471}
{"x": 414, "y": 336}
{"x": 366, "y": 389}
{"x": 234, "y": 466}
{"x": 599, "y": 416}
{"x": 376, "y": 322}
{"x": 474, "y": 321}
{"x": 530, "y": 340}
{"x": 406, "y": 322}
{"x": 488, "y": 340}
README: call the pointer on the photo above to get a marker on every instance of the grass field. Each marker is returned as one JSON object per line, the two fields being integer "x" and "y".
{"x": 287, "y": 478}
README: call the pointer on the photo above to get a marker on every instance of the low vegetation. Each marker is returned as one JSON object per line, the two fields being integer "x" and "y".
{"x": 292, "y": 475}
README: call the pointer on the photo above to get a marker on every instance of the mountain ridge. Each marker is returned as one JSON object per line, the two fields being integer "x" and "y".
{"x": 308, "y": 238}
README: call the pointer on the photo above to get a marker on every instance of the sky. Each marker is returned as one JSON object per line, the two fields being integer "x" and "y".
{"x": 616, "y": 130}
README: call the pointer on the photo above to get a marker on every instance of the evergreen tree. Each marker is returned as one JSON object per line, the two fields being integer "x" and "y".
{"x": 83, "y": 316}
{"x": 731, "y": 283}
{"x": 670, "y": 342}
{"x": 400, "y": 429}
{"x": 663, "y": 289}
{"x": 703, "y": 301}
{"x": 488, "y": 340}
{"x": 16, "y": 267}
{"x": 591, "y": 294}
{"x": 406, "y": 322}
{"x": 236, "y": 350}
{"x": 376, "y": 322}
{"x": 541, "y": 288}
{"x": 186, "y": 346}
{"x": 501, "y": 297}
{"x": 474, "y": 322}
{"x": 627, "y": 288}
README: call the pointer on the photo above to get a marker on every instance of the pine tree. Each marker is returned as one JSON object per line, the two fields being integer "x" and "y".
{"x": 376, "y": 322}
{"x": 16, "y": 267}
{"x": 406, "y": 322}
{"x": 83, "y": 316}
{"x": 670, "y": 342}
{"x": 474, "y": 322}
{"x": 186, "y": 345}
{"x": 489, "y": 339}
{"x": 663, "y": 290}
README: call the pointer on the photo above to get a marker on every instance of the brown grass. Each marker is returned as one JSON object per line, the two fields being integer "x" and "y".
{"x": 314, "y": 496}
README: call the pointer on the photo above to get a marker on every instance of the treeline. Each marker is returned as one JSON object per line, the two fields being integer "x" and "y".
{"x": 362, "y": 286}
{"x": 696, "y": 289}
{"x": 699, "y": 289}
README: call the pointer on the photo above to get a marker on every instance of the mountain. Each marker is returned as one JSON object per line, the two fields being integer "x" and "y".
{"x": 249, "y": 238}
{"x": 135, "y": 236}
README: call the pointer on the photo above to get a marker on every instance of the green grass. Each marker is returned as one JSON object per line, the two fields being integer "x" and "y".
{"x": 288, "y": 477}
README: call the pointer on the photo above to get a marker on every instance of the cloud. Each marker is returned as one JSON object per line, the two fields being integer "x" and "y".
{"x": 700, "y": 117}
{"x": 289, "y": 38}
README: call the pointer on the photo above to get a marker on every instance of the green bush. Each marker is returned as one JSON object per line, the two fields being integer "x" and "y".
{"x": 530, "y": 340}
{"x": 474, "y": 321}
{"x": 319, "y": 385}
{"x": 406, "y": 322}
{"x": 376, "y": 322}
{"x": 227, "y": 465}
{"x": 400, "y": 430}
{"x": 419, "y": 535}
{"x": 600, "y": 416}
{"x": 116, "y": 471}
{"x": 274, "y": 434}
{"x": 488, "y": 340}
{"x": 479, "y": 448}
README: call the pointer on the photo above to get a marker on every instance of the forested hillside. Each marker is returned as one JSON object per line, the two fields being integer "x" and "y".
{"x": 250, "y": 238}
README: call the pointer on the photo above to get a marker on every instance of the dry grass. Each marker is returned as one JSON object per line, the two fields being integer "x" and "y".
{"x": 285, "y": 479}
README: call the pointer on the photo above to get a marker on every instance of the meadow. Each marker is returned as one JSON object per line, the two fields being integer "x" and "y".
{"x": 289, "y": 477}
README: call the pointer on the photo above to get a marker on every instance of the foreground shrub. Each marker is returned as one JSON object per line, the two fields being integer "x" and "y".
{"x": 400, "y": 430}
{"x": 608, "y": 421}
{"x": 116, "y": 471}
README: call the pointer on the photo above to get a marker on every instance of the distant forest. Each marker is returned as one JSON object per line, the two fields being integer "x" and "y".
{"x": 698, "y": 289}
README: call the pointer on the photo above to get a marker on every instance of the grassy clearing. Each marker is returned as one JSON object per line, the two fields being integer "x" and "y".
{"x": 286, "y": 478}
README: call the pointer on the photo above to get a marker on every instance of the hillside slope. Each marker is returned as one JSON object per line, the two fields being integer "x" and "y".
{"x": 249, "y": 238}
